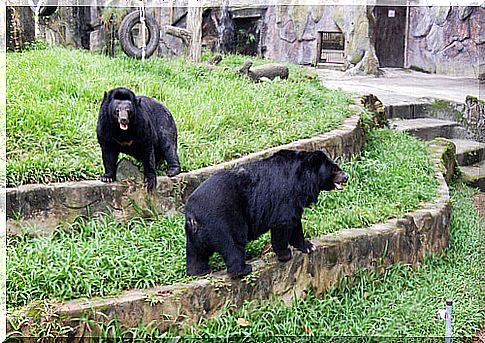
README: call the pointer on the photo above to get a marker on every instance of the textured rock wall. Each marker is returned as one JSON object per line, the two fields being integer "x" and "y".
{"x": 447, "y": 39}
{"x": 292, "y": 33}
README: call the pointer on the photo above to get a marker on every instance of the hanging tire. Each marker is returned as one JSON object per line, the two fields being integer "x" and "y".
{"x": 126, "y": 38}
{"x": 49, "y": 9}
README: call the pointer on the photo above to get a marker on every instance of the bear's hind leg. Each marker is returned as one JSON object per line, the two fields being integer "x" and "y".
{"x": 197, "y": 263}
{"x": 173, "y": 161}
{"x": 235, "y": 259}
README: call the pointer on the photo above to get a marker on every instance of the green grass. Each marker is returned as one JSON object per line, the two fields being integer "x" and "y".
{"x": 402, "y": 302}
{"x": 54, "y": 96}
{"x": 101, "y": 257}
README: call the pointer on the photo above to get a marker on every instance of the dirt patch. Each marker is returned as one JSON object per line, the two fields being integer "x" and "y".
{"x": 479, "y": 201}
{"x": 480, "y": 337}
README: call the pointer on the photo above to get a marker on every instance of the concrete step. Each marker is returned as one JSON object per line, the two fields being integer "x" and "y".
{"x": 469, "y": 152}
{"x": 330, "y": 66}
{"x": 474, "y": 175}
{"x": 429, "y": 128}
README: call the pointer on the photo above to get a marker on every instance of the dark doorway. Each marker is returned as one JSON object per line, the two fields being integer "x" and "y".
{"x": 246, "y": 36}
{"x": 390, "y": 35}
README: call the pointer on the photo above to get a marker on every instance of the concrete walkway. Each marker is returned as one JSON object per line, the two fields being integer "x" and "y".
{"x": 404, "y": 86}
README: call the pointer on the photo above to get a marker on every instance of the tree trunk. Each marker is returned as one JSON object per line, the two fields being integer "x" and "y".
{"x": 268, "y": 71}
{"x": 194, "y": 25}
{"x": 20, "y": 27}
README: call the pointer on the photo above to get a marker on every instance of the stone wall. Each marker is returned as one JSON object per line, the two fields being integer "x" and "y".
{"x": 289, "y": 33}
{"x": 40, "y": 208}
{"x": 446, "y": 39}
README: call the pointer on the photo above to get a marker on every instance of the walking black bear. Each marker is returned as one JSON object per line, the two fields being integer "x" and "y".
{"x": 238, "y": 205}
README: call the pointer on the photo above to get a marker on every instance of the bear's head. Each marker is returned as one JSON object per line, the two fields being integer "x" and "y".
{"x": 330, "y": 175}
{"x": 122, "y": 107}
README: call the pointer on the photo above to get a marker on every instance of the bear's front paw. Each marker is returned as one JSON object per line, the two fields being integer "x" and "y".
{"x": 107, "y": 178}
{"x": 284, "y": 257}
{"x": 240, "y": 273}
{"x": 172, "y": 171}
{"x": 198, "y": 272}
{"x": 307, "y": 247}
{"x": 151, "y": 183}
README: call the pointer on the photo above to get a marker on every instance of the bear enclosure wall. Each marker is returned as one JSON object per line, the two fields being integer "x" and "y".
{"x": 439, "y": 39}
{"x": 447, "y": 40}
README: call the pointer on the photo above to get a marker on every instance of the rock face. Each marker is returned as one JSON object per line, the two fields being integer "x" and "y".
{"x": 287, "y": 33}
{"x": 292, "y": 34}
{"x": 446, "y": 39}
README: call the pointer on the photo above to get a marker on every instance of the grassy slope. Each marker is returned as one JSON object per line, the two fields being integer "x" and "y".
{"x": 101, "y": 257}
{"x": 54, "y": 96}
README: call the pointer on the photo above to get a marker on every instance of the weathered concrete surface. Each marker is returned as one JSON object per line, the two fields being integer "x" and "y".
{"x": 408, "y": 239}
{"x": 409, "y": 94}
{"x": 429, "y": 128}
{"x": 470, "y": 114}
{"x": 40, "y": 208}
{"x": 468, "y": 151}
{"x": 474, "y": 175}
{"x": 403, "y": 87}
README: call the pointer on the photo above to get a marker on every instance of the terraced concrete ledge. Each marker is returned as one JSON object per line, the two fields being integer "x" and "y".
{"x": 41, "y": 208}
{"x": 408, "y": 239}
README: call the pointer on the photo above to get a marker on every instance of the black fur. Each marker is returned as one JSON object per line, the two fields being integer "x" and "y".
{"x": 238, "y": 205}
{"x": 140, "y": 127}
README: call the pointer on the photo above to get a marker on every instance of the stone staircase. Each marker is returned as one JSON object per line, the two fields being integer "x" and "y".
{"x": 470, "y": 154}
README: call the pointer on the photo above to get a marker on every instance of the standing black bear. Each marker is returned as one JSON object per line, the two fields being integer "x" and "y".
{"x": 238, "y": 205}
{"x": 140, "y": 127}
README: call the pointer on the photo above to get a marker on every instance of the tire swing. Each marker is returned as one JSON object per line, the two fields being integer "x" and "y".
{"x": 43, "y": 11}
{"x": 126, "y": 37}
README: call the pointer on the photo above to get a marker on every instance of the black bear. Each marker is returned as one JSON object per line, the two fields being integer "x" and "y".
{"x": 140, "y": 127}
{"x": 237, "y": 205}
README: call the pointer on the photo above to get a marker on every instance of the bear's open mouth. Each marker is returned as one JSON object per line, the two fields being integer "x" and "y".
{"x": 338, "y": 186}
{"x": 123, "y": 124}
{"x": 340, "y": 180}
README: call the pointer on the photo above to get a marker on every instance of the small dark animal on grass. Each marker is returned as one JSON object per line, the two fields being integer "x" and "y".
{"x": 238, "y": 205}
{"x": 140, "y": 127}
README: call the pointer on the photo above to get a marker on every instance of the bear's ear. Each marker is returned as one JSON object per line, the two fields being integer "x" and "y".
{"x": 308, "y": 167}
{"x": 314, "y": 158}
{"x": 105, "y": 99}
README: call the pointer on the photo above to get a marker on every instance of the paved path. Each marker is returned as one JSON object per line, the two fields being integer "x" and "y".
{"x": 400, "y": 86}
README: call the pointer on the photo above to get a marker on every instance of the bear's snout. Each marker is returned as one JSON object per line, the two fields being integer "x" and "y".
{"x": 123, "y": 121}
{"x": 340, "y": 179}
